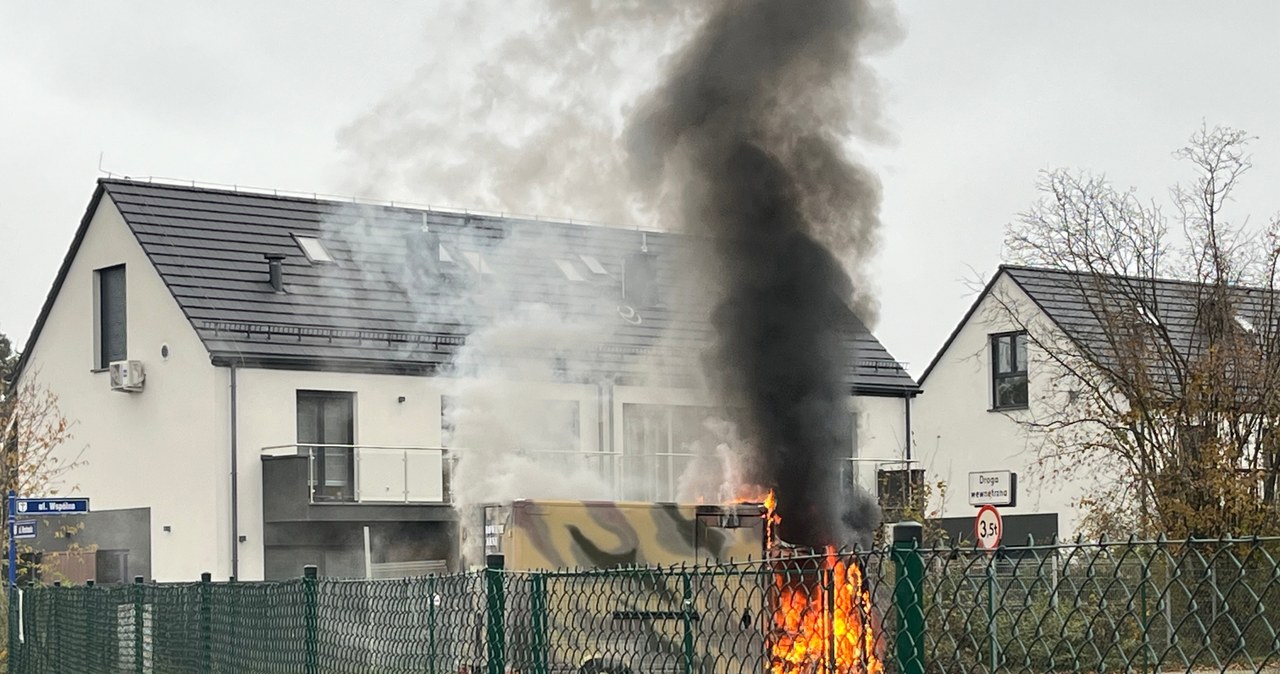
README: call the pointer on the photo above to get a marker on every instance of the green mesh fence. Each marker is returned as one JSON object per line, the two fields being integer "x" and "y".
{"x": 1132, "y": 607}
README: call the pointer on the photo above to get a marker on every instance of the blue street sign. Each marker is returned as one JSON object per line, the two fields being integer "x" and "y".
{"x": 24, "y": 529}
{"x": 51, "y": 506}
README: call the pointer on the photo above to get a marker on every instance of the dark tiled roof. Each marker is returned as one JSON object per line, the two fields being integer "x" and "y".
{"x": 1087, "y": 307}
{"x": 376, "y": 309}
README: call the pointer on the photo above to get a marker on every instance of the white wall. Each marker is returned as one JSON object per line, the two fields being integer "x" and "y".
{"x": 882, "y": 431}
{"x": 159, "y": 448}
{"x": 956, "y": 433}
{"x": 267, "y": 404}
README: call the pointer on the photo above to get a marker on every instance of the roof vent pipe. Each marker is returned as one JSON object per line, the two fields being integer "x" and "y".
{"x": 275, "y": 265}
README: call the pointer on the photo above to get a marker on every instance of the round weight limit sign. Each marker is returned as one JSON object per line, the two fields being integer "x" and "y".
{"x": 988, "y": 528}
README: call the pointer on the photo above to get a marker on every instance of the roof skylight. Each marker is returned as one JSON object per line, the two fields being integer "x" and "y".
{"x": 570, "y": 272}
{"x": 1148, "y": 315}
{"x": 477, "y": 261}
{"x": 313, "y": 249}
{"x": 593, "y": 264}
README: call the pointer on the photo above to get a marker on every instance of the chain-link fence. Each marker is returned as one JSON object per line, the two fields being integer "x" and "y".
{"x": 1140, "y": 607}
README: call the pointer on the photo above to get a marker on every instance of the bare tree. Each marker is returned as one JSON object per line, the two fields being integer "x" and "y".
{"x": 1164, "y": 373}
{"x": 34, "y": 436}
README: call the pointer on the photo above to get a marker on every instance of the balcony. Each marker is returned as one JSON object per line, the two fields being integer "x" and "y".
{"x": 354, "y": 482}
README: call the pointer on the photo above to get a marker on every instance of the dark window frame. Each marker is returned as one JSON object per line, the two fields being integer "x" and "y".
{"x": 110, "y": 345}
{"x": 320, "y": 489}
{"x": 1018, "y": 370}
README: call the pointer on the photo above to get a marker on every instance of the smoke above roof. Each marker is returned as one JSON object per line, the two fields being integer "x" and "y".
{"x": 745, "y": 142}
{"x": 747, "y": 135}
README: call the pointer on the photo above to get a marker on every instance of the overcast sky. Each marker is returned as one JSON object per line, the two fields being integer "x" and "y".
{"x": 978, "y": 97}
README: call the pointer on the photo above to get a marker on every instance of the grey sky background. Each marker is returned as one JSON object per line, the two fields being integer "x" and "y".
{"x": 977, "y": 98}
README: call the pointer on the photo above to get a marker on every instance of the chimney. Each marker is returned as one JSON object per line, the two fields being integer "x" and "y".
{"x": 422, "y": 252}
{"x": 275, "y": 265}
{"x": 640, "y": 279}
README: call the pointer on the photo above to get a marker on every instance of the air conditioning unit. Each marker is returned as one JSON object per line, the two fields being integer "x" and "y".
{"x": 127, "y": 375}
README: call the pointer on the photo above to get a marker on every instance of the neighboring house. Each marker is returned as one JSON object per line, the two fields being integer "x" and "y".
{"x": 294, "y": 357}
{"x": 1007, "y": 373}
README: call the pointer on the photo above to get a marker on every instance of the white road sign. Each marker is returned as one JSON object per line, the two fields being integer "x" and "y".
{"x": 996, "y": 487}
{"x": 988, "y": 528}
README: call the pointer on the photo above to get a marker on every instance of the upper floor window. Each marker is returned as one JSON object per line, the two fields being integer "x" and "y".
{"x": 110, "y": 327}
{"x": 1009, "y": 371}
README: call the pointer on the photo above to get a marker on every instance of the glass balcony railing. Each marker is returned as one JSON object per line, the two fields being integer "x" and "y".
{"x": 372, "y": 473}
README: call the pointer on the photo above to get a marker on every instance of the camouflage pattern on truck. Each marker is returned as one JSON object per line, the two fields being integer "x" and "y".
{"x": 548, "y": 535}
{"x": 683, "y": 617}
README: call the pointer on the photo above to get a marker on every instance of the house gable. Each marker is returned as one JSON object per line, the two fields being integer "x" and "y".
{"x": 156, "y": 448}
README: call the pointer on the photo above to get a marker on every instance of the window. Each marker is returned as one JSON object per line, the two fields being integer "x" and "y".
{"x": 111, "y": 329}
{"x": 326, "y": 427}
{"x": 1009, "y": 371}
{"x": 313, "y": 249}
{"x": 1245, "y": 324}
{"x": 658, "y": 446}
{"x": 593, "y": 264}
{"x": 569, "y": 271}
{"x": 111, "y": 567}
{"x": 546, "y": 427}
{"x": 477, "y": 261}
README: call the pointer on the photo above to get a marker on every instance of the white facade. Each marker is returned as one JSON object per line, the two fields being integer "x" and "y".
{"x": 168, "y": 447}
{"x": 163, "y": 448}
{"x": 957, "y": 431}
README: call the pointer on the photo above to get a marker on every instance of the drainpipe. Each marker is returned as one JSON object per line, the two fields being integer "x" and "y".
{"x": 604, "y": 412}
{"x": 906, "y": 404}
{"x": 235, "y": 486}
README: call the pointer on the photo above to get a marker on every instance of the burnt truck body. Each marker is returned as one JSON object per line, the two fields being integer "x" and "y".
{"x": 617, "y": 587}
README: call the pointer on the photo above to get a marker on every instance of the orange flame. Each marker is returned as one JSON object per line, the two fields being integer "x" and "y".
{"x": 822, "y": 621}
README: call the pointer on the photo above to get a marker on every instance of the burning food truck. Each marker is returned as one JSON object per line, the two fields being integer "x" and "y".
{"x": 595, "y": 587}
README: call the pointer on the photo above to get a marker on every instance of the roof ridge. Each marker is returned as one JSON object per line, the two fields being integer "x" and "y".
{"x": 316, "y": 197}
{"x": 1123, "y": 277}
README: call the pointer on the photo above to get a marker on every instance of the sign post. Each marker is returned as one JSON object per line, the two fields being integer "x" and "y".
{"x": 13, "y": 546}
{"x": 988, "y": 529}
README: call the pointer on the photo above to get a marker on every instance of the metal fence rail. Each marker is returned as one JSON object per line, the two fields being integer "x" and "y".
{"x": 1109, "y": 607}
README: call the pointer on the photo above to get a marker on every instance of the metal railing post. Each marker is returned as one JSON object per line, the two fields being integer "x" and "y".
{"x": 311, "y": 640}
{"x": 908, "y": 596}
{"x": 206, "y": 624}
{"x": 495, "y": 635}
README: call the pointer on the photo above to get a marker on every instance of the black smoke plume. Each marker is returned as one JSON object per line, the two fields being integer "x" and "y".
{"x": 747, "y": 133}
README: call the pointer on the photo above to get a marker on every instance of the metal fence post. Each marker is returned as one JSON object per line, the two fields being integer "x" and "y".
{"x": 55, "y": 623}
{"x": 495, "y": 635}
{"x": 686, "y": 615}
{"x": 312, "y": 645}
{"x": 432, "y": 598}
{"x": 991, "y": 611}
{"x": 137, "y": 624}
{"x": 206, "y": 624}
{"x": 908, "y": 596}
{"x": 233, "y": 632}
{"x": 538, "y": 601}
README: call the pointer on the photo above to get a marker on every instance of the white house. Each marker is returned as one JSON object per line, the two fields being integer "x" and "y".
{"x": 284, "y": 368}
{"x": 993, "y": 388}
